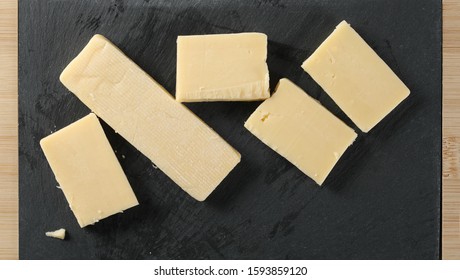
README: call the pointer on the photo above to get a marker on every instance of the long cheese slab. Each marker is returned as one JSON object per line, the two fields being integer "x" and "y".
{"x": 146, "y": 115}
{"x": 355, "y": 77}
{"x": 301, "y": 130}
{"x": 88, "y": 171}
{"x": 222, "y": 67}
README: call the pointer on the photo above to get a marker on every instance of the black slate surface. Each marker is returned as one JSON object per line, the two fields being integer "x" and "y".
{"x": 382, "y": 200}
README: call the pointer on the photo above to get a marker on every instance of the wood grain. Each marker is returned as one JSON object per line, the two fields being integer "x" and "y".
{"x": 8, "y": 130}
{"x": 9, "y": 138}
{"x": 451, "y": 131}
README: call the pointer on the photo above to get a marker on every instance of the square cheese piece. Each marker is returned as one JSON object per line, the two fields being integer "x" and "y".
{"x": 355, "y": 77}
{"x": 88, "y": 171}
{"x": 222, "y": 67}
{"x": 301, "y": 130}
{"x": 146, "y": 115}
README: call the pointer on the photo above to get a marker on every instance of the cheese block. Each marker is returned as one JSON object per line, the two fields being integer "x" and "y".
{"x": 355, "y": 77}
{"x": 301, "y": 130}
{"x": 88, "y": 171}
{"x": 59, "y": 234}
{"x": 147, "y": 116}
{"x": 222, "y": 67}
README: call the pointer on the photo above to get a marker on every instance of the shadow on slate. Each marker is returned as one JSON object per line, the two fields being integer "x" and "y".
{"x": 381, "y": 201}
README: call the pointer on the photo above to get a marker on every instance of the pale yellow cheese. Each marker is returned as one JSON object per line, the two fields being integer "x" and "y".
{"x": 146, "y": 115}
{"x": 59, "y": 234}
{"x": 88, "y": 171}
{"x": 301, "y": 130}
{"x": 355, "y": 77}
{"x": 222, "y": 67}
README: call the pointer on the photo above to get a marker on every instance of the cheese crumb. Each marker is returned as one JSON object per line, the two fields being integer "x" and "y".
{"x": 59, "y": 234}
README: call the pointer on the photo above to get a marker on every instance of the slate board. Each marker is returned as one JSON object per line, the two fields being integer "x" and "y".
{"x": 382, "y": 200}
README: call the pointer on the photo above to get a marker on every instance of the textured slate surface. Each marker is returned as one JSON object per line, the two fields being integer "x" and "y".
{"x": 382, "y": 201}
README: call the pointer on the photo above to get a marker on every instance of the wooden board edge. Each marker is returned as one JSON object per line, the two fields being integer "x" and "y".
{"x": 9, "y": 233}
{"x": 450, "y": 230}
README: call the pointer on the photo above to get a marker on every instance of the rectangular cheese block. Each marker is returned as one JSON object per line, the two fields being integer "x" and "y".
{"x": 222, "y": 67}
{"x": 147, "y": 116}
{"x": 301, "y": 130}
{"x": 88, "y": 171}
{"x": 355, "y": 77}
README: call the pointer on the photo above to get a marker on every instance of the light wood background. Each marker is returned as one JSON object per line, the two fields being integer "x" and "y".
{"x": 451, "y": 131}
{"x": 9, "y": 131}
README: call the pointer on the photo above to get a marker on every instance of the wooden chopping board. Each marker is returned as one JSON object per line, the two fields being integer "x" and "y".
{"x": 8, "y": 131}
